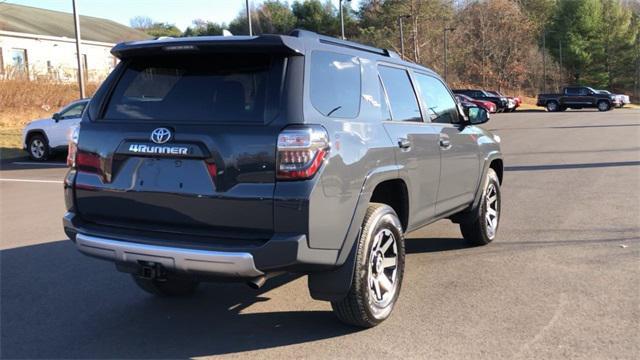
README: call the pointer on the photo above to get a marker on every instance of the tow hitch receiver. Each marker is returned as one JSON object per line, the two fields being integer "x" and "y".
{"x": 150, "y": 270}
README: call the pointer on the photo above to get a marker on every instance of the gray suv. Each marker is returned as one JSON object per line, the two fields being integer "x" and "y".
{"x": 207, "y": 158}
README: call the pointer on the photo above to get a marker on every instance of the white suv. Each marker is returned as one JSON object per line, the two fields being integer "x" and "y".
{"x": 40, "y": 138}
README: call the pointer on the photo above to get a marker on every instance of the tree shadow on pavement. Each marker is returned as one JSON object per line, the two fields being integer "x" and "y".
{"x": 59, "y": 304}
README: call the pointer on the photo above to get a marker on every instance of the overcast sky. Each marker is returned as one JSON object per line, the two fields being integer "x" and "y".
{"x": 178, "y": 12}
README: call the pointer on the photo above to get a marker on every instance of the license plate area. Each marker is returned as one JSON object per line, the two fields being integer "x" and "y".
{"x": 172, "y": 175}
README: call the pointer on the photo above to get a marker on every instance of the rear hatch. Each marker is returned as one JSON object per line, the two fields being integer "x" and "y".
{"x": 185, "y": 143}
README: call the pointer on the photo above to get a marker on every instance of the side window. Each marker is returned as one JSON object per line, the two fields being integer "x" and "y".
{"x": 440, "y": 105}
{"x": 335, "y": 84}
{"x": 402, "y": 98}
{"x": 72, "y": 112}
{"x": 571, "y": 91}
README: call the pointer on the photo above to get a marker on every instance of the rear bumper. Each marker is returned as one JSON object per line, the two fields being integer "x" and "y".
{"x": 234, "y": 264}
{"x": 282, "y": 252}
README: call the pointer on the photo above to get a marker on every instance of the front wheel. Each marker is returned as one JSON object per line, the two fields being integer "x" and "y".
{"x": 482, "y": 226}
{"x": 38, "y": 148}
{"x": 603, "y": 106}
{"x": 379, "y": 268}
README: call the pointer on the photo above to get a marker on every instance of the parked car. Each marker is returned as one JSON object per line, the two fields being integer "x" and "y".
{"x": 576, "y": 97}
{"x": 501, "y": 102}
{"x": 619, "y": 100}
{"x": 300, "y": 153}
{"x": 487, "y": 105}
{"x": 513, "y": 101}
{"x": 41, "y": 138}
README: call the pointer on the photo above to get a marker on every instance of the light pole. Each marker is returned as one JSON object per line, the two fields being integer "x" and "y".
{"x": 342, "y": 18}
{"x": 402, "y": 33}
{"x": 249, "y": 18}
{"x": 445, "y": 30}
{"x": 76, "y": 21}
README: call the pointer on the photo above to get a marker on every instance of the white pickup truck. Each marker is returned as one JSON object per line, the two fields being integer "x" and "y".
{"x": 43, "y": 137}
{"x": 619, "y": 100}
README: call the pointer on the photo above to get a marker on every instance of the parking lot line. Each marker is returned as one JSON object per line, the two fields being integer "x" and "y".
{"x": 33, "y": 181}
{"x": 38, "y": 163}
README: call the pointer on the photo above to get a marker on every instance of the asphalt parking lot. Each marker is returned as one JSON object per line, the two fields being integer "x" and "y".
{"x": 561, "y": 281}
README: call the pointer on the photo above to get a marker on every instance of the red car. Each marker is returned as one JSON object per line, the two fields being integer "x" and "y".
{"x": 487, "y": 105}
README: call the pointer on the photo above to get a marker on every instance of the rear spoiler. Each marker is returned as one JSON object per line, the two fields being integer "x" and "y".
{"x": 281, "y": 44}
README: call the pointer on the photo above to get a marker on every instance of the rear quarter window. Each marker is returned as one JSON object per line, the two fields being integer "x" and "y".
{"x": 196, "y": 88}
{"x": 335, "y": 84}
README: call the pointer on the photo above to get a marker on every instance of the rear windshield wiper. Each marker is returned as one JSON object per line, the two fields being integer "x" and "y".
{"x": 334, "y": 110}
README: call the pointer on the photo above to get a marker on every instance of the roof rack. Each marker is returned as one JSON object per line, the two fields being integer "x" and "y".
{"x": 343, "y": 43}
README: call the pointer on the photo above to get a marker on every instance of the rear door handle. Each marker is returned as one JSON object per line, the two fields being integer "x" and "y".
{"x": 445, "y": 143}
{"x": 404, "y": 143}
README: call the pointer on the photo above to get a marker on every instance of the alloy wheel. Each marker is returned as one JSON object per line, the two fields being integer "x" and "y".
{"x": 492, "y": 210}
{"x": 37, "y": 148}
{"x": 382, "y": 271}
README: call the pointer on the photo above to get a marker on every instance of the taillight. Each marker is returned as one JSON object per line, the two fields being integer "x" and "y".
{"x": 213, "y": 171}
{"x": 301, "y": 152}
{"x": 88, "y": 162}
{"x": 73, "y": 137}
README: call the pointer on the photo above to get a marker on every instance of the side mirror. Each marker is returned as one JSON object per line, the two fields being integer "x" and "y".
{"x": 56, "y": 117}
{"x": 478, "y": 115}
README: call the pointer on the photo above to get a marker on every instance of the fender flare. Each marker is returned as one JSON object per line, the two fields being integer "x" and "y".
{"x": 33, "y": 131}
{"x": 488, "y": 159}
{"x": 335, "y": 284}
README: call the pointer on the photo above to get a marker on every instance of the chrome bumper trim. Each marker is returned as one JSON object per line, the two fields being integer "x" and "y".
{"x": 234, "y": 264}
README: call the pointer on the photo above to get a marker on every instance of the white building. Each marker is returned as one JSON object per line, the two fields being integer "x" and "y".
{"x": 40, "y": 44}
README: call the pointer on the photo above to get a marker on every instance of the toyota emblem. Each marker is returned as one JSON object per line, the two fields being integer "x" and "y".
{"x": 160, "y": 135}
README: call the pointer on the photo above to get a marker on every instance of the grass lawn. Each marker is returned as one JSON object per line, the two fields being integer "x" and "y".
{"x": 10, "y": 143}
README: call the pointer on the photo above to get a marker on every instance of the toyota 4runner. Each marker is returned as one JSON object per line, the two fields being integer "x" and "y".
{"x": 245, "y": 157}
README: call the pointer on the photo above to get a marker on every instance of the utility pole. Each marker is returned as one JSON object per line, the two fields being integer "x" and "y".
{"x": 544, "y": 61}
{"x": 341, "y": 20}
{"x": 484, "y": 76}
{"x": 416, "y": 52}
{"x": 249, "y": 18}
{"x": 402, "y": 34}
{"x": 76, "y": 20}
{"x": 561, "y": 68}
{"x": 445, "y": 29}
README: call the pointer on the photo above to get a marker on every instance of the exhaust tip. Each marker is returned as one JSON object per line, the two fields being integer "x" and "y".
{"x": 256, "y": 283}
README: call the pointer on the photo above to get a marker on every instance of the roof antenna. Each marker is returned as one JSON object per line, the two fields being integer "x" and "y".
{"x": 226, "y": 32}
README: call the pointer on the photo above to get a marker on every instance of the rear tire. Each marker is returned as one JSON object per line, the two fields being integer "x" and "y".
{"x": 167, "y": 287}
{"x": 379, "y": 269}
{"x": 482, "y": 224}
{"x": 38, "y": 148}
{"x": 552, "y": 106}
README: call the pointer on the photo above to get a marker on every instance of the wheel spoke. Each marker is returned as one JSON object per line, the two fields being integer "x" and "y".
{"x": 386, "y": 246}
{"x": 491, "y": 211}
{"x": 376, "y": 288}
{"x": 389, "y": 262}
{"x": 385, "y": 283}
{"x": 492, "y": 199}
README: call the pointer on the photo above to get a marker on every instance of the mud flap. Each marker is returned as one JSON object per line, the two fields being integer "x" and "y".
{"x": 334, "y": 285}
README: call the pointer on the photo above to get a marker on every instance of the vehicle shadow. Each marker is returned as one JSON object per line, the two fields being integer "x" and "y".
{"x": 427, "y": 245}
{"x": 59, "y": 304}
{"x": 24, "y": 163}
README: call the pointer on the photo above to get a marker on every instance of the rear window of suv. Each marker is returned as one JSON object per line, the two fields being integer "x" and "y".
{"x": 197, "y": 88}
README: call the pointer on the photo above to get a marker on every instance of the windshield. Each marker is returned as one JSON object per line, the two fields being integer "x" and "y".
{"x": 201, "y": 88}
